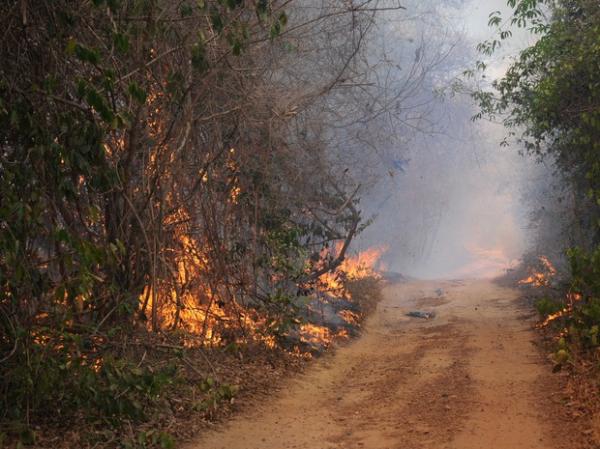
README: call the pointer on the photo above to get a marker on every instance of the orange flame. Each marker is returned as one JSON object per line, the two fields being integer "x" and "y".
{"x": 572, "y": 298}
{"x": 359, "y": 266}
{"x": 362, "y": 265}
{"x": 311, "y": 333}
{"x": 540, "y": 278}
{"x": 188, "y": 304}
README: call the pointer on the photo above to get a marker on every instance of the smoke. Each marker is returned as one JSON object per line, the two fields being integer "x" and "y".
{"x": 447, "y": 203}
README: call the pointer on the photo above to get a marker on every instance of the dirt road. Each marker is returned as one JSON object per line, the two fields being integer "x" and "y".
{"x": 468, "y": 379}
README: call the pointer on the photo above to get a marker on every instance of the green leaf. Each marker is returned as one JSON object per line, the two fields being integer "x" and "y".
{"x": 275, "y": 30}
{"x": 99, "y": 103}
{"x": 283, "y": 19}
{"x": 186, "y": 10}
{"x": 121, "y": 42}
{"x": 232, "y": 4}
{"x": 27, "y": 437}
{"x": 137, "y": 93}
{"x": 71, "y": 46}
{"x": 236, "y": 47}
{"x": 199, "y": 61}
{"x": 166, "y": 441}
{"x": 113, "y": 5}
{"x": 87, "y": 54}
{"x": 81, "y": 88}
{"x": 216, "y": 20}
{"x": 262, "y": 10}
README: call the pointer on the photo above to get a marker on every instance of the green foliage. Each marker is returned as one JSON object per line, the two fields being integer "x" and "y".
{"x": 122, "y": 390}
{"x": 561, "y": 356}
{"x": 86, "y": 54}
{"x": 137, "y": 92}
{"x": 112, "y": 147}
{"x": 71, "y": 255}
{"x": 552, "y": 91}
{"x": 199, "y": 61}
{"x": 214, "y": 394}
{"x": 151, "y": 439}
{"x": 585, "y": 319}
{"x": 61, "y": 378}
{"x": 547, "y": 306}
{"x": 549, "y": 100}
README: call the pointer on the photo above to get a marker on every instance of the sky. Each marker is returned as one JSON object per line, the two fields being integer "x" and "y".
{"x": 474, "y": 17}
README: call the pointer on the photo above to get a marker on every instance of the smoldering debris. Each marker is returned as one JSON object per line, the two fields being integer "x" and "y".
{"x": 322, "y": 321}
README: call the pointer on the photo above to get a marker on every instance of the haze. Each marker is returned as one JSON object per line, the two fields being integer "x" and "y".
{"x": 450, "y": 202}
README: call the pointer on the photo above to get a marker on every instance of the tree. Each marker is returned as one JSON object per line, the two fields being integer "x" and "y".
{"x": 149, "y": 180}
{"x": 550, "y": 100}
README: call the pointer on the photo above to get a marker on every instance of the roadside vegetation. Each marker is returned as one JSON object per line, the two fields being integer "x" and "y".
{"x": 170, "y": 211}
{"x": 549, "y": 101}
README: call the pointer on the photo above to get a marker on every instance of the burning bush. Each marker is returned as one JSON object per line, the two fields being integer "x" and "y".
{"x": 151, "y": 189}
{"x": 575, "y": 314}
{"x": 540, "y": 274}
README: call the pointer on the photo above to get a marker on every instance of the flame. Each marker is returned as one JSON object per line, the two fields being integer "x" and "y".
{"x": 359, "y": 266}
{"x": 188, "y": 304}
{"x": 349, "y": 316}
{"x": 554, "y": 316}
{"x": 364, "y": 264}
{"x": 234, "y": 188}
{"x": 311, "y": 333}
{"x": 205, "y": 314}
{"x": 572, "y": 298}
{"x": 542, "y": 277}
{"x": 320, "y": 335}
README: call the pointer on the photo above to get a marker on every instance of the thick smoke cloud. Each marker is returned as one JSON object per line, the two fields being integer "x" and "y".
{"x": 448, "y": 201}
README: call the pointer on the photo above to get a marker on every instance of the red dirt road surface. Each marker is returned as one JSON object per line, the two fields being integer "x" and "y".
{"x": 468, "y": 379}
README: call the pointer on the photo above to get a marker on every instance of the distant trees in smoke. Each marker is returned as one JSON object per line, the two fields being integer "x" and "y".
{"x": 430, "y": 128}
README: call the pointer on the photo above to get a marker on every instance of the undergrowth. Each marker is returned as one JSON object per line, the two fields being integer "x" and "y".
{"x": 134, "y": 390}
{"x": 68, "y": 382}
{"x": 573, "y": 316}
